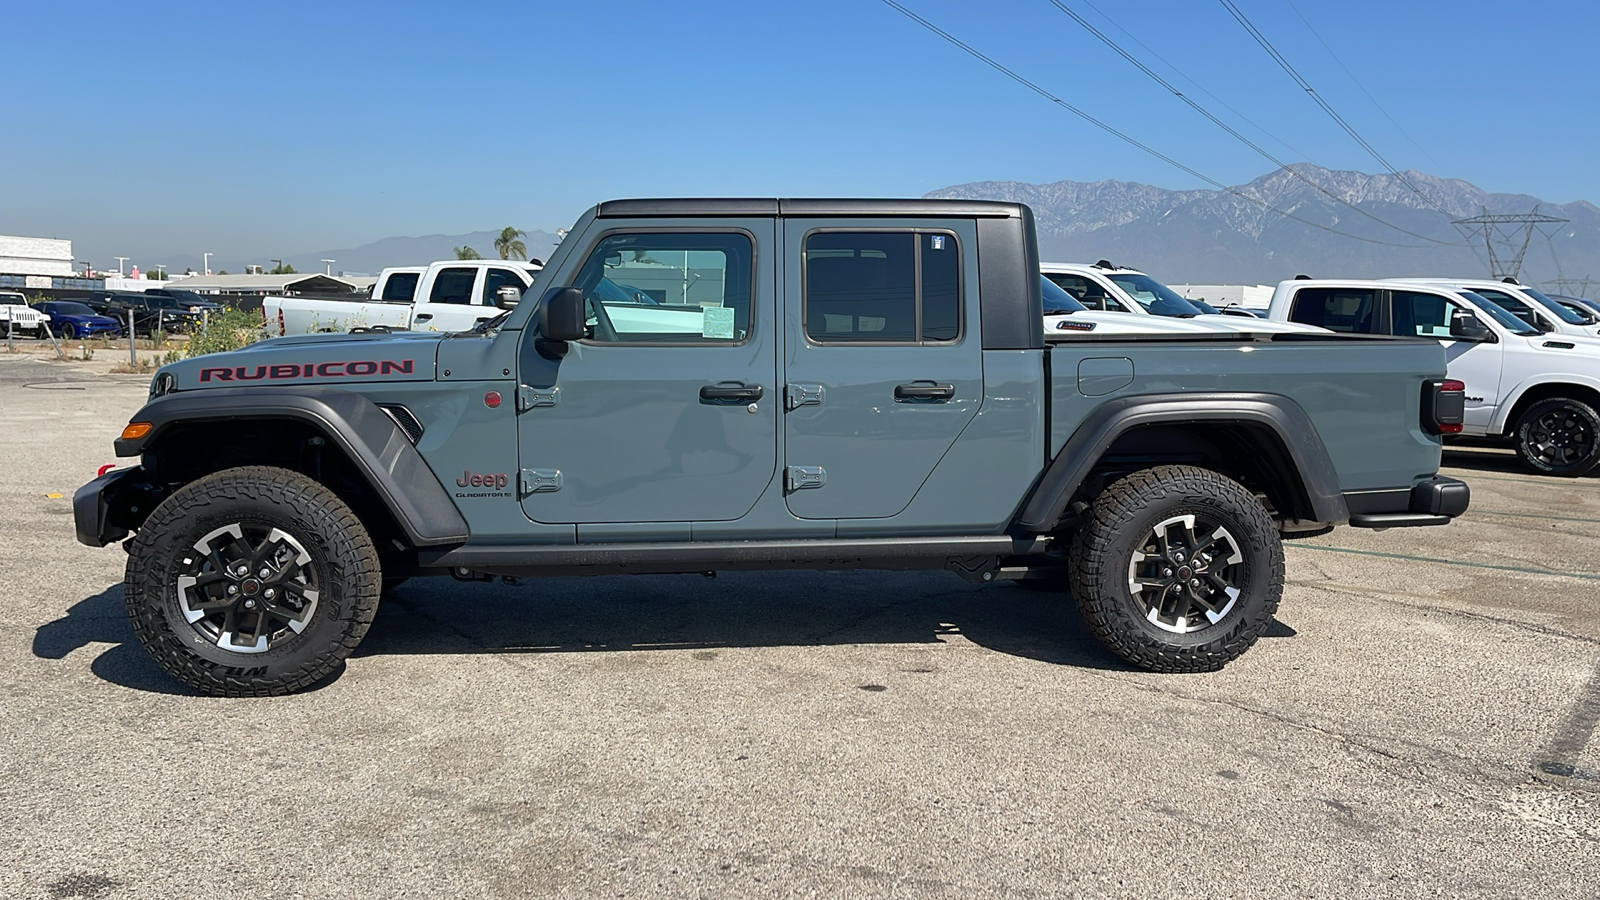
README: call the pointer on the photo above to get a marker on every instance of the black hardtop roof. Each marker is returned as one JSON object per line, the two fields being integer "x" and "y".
{"x": 764, "y": 206}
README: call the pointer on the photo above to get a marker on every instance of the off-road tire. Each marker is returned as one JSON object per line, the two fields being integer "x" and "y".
{"x": 343, "y": 566}
{"x": 1121, "y": 522}
{"x": 1559, "y": 436}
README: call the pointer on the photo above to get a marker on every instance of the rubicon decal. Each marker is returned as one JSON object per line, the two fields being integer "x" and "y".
{"x": 354, "y": 369}
{"x": 492, "y": 484}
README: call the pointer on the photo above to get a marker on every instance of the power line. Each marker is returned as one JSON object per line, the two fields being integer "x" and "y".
{"x": 1357, "y": 82}
{"x": 1198, "y": 86}
{"x": 1317, "y": 98}
{"x": 1124, "y": 137}
{"x": 1058, "y": 4}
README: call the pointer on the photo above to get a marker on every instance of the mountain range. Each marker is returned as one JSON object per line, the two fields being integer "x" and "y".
{"x": 1385, "y": 229}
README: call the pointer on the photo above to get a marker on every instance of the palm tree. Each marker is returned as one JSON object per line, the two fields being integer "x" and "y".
{"x": 509, "y": 245}
{"x": 467, "y": 253}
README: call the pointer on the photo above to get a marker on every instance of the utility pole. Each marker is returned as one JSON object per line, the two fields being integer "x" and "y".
{"x": 278, "y": 265}
{"x": 161, "y": 270}
{"x": 329, "y": 263}
{"x": 120, "y": 260}
{"x": 205, "y": 265}
{"x": 1505, "y": 229}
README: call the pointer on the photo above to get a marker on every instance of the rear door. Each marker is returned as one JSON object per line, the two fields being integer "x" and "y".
{"x": 448, "y": 299}
{"x": 668, "y": 412}
{"x": 1345, "y": 310}
{"x": 883, "y": 361}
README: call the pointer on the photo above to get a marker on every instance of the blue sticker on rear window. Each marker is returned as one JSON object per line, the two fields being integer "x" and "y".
{"x": 937, "y": 241}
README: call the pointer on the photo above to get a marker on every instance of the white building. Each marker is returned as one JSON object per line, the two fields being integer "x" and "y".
{"x": 1250, "y": 296}
{"x": 48, "y": 257}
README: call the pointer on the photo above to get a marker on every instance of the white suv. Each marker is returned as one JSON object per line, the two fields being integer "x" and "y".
{"x": 1539, "y": 391}
{"x": 17, "y": 315}
{"x": 1114, "y": 288}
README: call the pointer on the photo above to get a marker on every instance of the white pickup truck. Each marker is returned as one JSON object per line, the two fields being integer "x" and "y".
{"x": 452, "y": 295}
{"x": 1539, "y": 391}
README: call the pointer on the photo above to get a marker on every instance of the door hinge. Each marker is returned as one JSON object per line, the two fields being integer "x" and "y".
{"x": 798, "y": 395}
{"x": 801, "y": 478}
{"x": 538, "y": 481}
{"x": 532, "y": 397}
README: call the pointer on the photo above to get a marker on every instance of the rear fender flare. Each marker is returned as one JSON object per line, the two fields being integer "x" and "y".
{"x": 1319, "y": 480}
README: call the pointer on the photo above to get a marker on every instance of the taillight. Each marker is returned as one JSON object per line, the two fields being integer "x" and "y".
{"x": 282, "y": 329}
{"x": 1444, "y": 405}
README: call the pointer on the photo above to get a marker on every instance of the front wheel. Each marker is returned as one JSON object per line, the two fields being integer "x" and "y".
{"x": 68, "y": 332}
{"x": 252, "y": 582}
{"x": 1559, "y": 436}
{"x": 1177, "y": 569}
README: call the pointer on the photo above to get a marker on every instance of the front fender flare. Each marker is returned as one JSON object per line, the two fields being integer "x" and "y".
{"x": 1319, "y": 480}
{"x": 393, "y": 468}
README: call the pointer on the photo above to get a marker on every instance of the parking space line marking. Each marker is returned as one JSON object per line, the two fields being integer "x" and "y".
{"x": 1491, "y": 512}
{"x": 1527, "y": 570}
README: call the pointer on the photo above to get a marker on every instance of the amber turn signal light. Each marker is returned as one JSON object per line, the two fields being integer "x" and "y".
{"x": 136, "y": 430}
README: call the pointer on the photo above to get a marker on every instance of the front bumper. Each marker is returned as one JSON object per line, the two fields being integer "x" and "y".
{"x": 108, "y": 508}
{"x": 1433, "y": 501}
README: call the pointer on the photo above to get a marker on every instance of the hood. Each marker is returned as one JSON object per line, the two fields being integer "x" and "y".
{"x": 1105, "y": 322}
{"x": 323, "y": 359}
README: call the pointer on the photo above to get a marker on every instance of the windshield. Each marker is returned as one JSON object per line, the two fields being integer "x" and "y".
{"x": 13, "y": 299}
{"x": 1057, "y": 300}
{"x": 1567, "y": 315}
{"x": 70, "y": 309}
{"x": 1507, "y": 321}
{"x": 1156, "y": 298}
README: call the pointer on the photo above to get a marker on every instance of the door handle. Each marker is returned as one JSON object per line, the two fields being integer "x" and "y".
{"x": 424, "y": 317}
{"x": 924, "y": 390}
{"x": 731, "y": 392}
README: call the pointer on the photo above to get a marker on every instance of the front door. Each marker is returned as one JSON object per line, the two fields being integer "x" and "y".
{"x": 1474, "y": 364}
{"x": 884, "y": 365}
{"x": 668, "y": 411}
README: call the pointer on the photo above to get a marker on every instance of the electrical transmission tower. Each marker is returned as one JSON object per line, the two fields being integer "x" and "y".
{"x": 1501, "y": 233}
{"x": 1576, "y": 286}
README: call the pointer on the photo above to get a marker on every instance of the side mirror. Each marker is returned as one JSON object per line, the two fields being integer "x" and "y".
{"x": 1468, "y": 327}
{"x": 561, "y": 319}
{"x": 507, "y": 296}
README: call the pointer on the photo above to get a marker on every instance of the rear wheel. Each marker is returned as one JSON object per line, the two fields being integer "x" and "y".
{"x": 1559, "y": 436}
{"x": 1177, "y": 569}
{"x": 252, "y": 582}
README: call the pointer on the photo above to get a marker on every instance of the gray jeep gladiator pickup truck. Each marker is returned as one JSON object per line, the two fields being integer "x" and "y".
{"x": 704, "y": 385}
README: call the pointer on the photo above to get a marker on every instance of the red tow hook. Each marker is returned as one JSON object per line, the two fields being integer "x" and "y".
{"x": 104, "y": 469}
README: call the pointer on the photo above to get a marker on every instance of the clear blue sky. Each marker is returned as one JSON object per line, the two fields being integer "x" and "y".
{"x": 142, "y": 129}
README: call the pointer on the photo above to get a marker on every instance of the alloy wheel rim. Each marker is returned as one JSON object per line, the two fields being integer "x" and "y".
{"x": 1186, "y": 573}
{"x": 1560, "y": 438}
{"x": 248, "y": 589}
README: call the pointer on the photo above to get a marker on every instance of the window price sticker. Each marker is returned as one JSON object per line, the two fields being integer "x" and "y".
{"x": 717, "y": 322}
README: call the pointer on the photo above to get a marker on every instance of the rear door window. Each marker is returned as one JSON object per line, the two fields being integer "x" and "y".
{"x": 1347, "y": 310}
{"x": 453, "y": 285}
{"x": 401, "y": 286}
{"x": 882, "y": 287}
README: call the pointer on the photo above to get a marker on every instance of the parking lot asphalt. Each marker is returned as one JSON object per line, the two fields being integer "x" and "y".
{"x": 1418, "y": 723}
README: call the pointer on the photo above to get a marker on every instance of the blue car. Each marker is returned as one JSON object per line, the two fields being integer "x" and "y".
{"x": 70, "y": 320}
